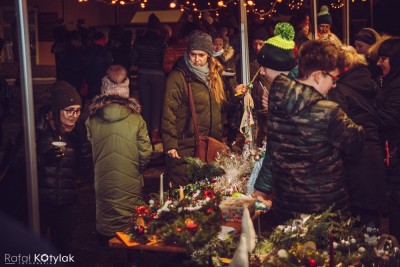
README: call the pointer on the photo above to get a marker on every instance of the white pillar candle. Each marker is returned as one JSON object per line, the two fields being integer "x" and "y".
{"x": 181, "y": 195}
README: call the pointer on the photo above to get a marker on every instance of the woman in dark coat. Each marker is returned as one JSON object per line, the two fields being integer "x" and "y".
{"x": 389, "y": 116}
{"x": 355, "y": 93}
{"x": 58, "y": 163}
{"x": 202, "y": 72}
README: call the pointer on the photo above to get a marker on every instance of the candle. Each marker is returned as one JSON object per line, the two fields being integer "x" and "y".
{"x": 181, "y": 195}
{"x": 331, "y": 252}
{"x": 161, "y": 188}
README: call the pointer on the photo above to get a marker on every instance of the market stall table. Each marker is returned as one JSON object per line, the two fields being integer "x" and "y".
{"x": 123, "y": 241}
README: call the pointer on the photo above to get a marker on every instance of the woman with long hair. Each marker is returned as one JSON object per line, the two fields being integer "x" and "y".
{"x": 198, "y": 71}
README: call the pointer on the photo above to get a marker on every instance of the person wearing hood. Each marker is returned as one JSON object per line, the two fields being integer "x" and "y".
{"x": 302, "y": 167}
{"x": 198, "y": 71}
{"x": 389, "y": 117}
{"x": 356, "y": 93}
{"x": 121, "y": 150}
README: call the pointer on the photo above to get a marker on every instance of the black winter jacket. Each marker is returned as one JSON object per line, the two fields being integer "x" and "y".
{"x": 365, "y": 174}
{"x": 57, "y": 176}
{"x": 389, "y": 116}
{"x": 148, "y": 51}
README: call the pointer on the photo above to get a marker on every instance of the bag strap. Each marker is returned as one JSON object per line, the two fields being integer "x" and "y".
{"x": 192, "y": 109}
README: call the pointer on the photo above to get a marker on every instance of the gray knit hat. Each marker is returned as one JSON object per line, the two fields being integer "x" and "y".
{"x": 199, "y": 40}
{"x": 63, "y": 95}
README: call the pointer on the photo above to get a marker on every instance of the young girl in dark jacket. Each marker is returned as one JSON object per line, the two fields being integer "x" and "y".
{"x": 61, "y": 145}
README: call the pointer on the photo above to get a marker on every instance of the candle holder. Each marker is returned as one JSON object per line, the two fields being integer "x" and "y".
{"x": 191, "y": 226}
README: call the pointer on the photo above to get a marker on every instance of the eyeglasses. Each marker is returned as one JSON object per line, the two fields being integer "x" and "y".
{"x": 335, "y": 79}
{"x": 72, "y": 112}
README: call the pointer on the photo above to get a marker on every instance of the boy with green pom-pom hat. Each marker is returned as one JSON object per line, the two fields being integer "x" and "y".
{"x": 307, "y": 134}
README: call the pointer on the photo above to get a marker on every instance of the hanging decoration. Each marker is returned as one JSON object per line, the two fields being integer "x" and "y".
{"x": 262, "y": 13}
{"x": 295, "y": 4}
{"x": 338, "y": 4}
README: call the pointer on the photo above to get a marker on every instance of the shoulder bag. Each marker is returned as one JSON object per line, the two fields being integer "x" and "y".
{"x": 207, "y": 148}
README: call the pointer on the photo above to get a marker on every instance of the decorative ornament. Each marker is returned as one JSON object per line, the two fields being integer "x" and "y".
{"x": 142, "y": 210}
{"x": 191, "y": 225}
{"x": 312, "y": 263}
{"x": 209, "y": 194}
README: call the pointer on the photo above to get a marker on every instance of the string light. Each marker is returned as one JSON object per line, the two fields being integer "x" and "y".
{"x": 338, "y": 4}
{"x": 262, "y": 13}
{"x": 172, "y": 4}
{"x": 295, "y": 5}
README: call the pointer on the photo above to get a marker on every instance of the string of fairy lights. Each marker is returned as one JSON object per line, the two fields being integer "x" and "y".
{"x": 215, "y": 6}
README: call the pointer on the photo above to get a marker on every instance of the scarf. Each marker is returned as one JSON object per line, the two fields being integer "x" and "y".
{"x": 201, "y": 72}
{"x": 217, "y": 54}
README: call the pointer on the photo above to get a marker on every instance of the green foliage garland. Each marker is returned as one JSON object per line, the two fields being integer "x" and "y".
{"x": 169, "y": 222}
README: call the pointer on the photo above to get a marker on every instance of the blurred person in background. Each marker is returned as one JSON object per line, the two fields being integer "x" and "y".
{"x": 147, "y": 55}
{"x": 389, "y": 116}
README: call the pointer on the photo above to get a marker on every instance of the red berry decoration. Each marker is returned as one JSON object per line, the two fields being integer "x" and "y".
{"x": 312, "y": 263}
{"x": 209, "y": 211}
{"x": 142, "y": 210}
{"x": 178, "y": 229}
{"x": 208, "y": 194}
{"x": 140, "y": 230}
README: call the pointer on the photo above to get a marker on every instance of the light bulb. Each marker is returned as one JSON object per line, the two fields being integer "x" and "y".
{"x": 172, "y": 4}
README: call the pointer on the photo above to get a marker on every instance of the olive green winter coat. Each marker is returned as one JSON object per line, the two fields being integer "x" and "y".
{"x": 177, "y": 125}
{"x": 121, "y": 149}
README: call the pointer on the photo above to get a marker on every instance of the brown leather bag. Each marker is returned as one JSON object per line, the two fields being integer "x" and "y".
{"x": 207, "y": 148}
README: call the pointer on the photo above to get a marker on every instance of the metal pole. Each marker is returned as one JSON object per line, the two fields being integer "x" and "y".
{"x": 117, "y": 14}
{"x": 244, "y": 43}
{"x": 314, "y": 19}
{"x": 371, "y": 13}
{"x": 28, "y": 118}
{"x": 346, "y": 26}
{"x": 63, "y": 8}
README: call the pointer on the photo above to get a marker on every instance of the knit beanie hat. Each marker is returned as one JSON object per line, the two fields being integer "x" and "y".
{"x": 323, "y": 16}
{"x": 109, "y": 87}
{"x": 199, "y": 40}
{"x": 63, "y": 95}
{"x": 366, "y": 35}
{"x": 153, "y": 22}
{"x": 260, "y": 34}
{"x": 278, "y": 52}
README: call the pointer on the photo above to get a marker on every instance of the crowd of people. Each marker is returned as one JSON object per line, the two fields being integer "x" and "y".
{"x": 329, "y": 113}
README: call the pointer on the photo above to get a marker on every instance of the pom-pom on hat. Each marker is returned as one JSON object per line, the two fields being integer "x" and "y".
{"x": 366, "y": 35}
{"x": 278, "y": 51}
{"x": 63, "y": 95}
{"x": 199, "y": 40}
{"x": 324, "y": 17}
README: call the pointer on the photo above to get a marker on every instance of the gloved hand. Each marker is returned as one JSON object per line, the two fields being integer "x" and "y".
{"x": 53, "y": 154}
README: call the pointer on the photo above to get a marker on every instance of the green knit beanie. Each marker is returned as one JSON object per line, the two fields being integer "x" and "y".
{"x": 277, "y": 53}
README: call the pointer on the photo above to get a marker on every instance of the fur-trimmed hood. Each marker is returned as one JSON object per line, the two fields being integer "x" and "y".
{"x": 113, "y": 107}
{"x": 229, "y": 52}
